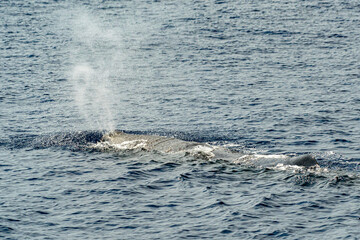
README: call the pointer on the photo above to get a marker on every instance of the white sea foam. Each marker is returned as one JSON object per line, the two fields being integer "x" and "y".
{"x": 126, "y": 145}
{"x": 249, "y": 158}
{"x": 203, "y": 150}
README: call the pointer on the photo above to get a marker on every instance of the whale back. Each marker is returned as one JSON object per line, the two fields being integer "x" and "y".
{"x": 151, "y": 142}
{"x": 304, "y": 160}
{"x": 200, "y": 150}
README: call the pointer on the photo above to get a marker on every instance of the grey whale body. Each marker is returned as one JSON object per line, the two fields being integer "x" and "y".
{"x": 201, "y": 150}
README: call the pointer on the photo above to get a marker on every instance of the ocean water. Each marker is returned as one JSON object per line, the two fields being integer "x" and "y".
{"x": 258, "y": 77}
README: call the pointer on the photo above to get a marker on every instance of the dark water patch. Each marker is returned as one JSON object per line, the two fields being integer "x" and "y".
{"x": 337, "y": 162}
{"x": 161, "y": 206}
{"x": 49, "y": 198}
{"x": 77, "y": 140}
{"x": 6, "y": 229}
{"x": 338, "y": 140}
{"x": 217, "y": 204}
{"x": 10, "y": 219}
{"x": 42, "y": 212}
{"x": 305, "y": 180}
{"x": 267, "y": 203}
{"x": 137, "y": 174}
{"x": 34, "y": 179}
{"x": 185, "y": 176}
{"x": 62, "y": 173}
{"x": 226, "y": 231}
{"x": 21, "y": 141}
{"x": 130, "y": 192}
{"x": 166, "y": 167}
{"x": 343, "y": 180}
{"x": 152, "y": 187}
{"x": 5, "y": 165}
{"x": 72, "y": 140}
{"x": 306, "y": 143}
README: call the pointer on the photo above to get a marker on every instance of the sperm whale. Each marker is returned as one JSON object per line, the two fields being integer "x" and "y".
{"x": 200, "y": 150}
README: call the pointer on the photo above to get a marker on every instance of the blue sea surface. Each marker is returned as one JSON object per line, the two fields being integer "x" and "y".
{"x": 258, "y": 77}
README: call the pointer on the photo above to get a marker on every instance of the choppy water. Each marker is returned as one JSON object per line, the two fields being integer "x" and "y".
{"x": 268, "y": 77}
